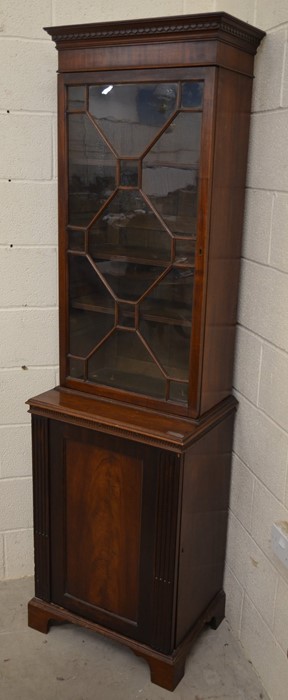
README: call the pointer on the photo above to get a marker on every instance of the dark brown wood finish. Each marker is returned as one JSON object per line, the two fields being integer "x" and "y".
{"x": 166, "y": 605}
{"x": 103, "y": 505}
{"x": 175, "y": 44}
{"x": 131, "y": 491}
{"x": 166, "y": 669}
{"x": 202, "y": 248}
{"x": 62, "y": 222}
{"x": 134, "y": 423}
{"x": 204, "y": 513}
{"x": 108, "y": 495}
{"x": 41, "y": 500}
{"x": 227, "y": 208}
{"x": 214, "y": 39}
{"x": 214, "y": 25}
{"x": 162, "y": 54}
{"x": 169, "y": 492}
{"x": 201, "y": 259}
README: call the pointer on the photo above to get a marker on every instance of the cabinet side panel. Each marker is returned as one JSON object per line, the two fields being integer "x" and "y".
{"x": 40, "y": 453}
{"x": 227, "y": 207}
{"x": 103, "y": 517}
{"x": 206, "y": 485}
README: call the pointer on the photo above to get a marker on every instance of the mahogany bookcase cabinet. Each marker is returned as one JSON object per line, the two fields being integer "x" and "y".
{"x": 131, "y": 453}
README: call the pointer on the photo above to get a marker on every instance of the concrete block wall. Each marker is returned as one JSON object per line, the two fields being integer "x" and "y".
{"x": 256, "y": 582}
{"x": 28, "y": 255}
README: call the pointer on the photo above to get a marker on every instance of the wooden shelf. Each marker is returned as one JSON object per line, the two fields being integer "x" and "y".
{"x": 129, "y": 255}
{"x": 140, "y": 373}
{"x": 184, "y": 226}
{"x": 132, "y": 255}
{"x": 86, "y": 303}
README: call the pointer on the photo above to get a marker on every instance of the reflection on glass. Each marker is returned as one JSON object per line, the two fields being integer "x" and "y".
{"x": 170, "y": 345}
{"x": 92, "y": 170}
{"x": 185, "y": 252}
{"x": 123, "y": 362}
{"x": 76, "y": 240}
{"x": 131, "y": 115}
{"x": 128, "y": 243}
{"x": 91, "y": 307}
{"x": 128, "y": 228}
{"x": 192, "y": 95}
{"x": 165, "y": 321}
{"x": 126, "y": 315}
{"x": 76, "y": 97}
{"x": 76, "y": 368}
{"x": 129, "y": 173}
{"x": 170, "y": 173}
{"x": 128, "y": 280}
{"x": 171, "y": 298}
{"x": 179, "y": 392}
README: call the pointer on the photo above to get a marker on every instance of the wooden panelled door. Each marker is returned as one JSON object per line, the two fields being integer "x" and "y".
{"x": 103, "y": 512}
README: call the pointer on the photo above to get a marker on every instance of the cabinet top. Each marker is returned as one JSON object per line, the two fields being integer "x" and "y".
{"x": 211, "y": 26}
{"x": 133, "y": 423}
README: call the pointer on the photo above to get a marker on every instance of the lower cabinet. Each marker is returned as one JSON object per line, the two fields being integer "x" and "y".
{"x": 130, "y": 538}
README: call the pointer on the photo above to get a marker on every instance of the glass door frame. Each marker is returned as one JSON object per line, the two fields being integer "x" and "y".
{"x": 208, "y": 75}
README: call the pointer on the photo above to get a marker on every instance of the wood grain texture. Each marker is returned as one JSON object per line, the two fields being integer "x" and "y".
{"x": 137, "y": 424}
{"x": 206, "y": 486}
{"x": 165, "y": 570}
{"x": 130, "y": 491}
{"x": 202, "y": 247}
{"x": 196, "y": 27}
{"x": 227, "y": 211}
{"x": 103, "y": 527}
{"x": 103, "y": 510}
{"x": 138, "y": 535}
{"x": 62, "y": 220}
{"x": 161, "y": 54}
{"x": 41, "y": 506}
{"x": 166, "y": 669}
{"x": 223, "y": 48}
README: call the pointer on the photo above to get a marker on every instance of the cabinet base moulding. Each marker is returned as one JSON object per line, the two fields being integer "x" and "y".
{"x": 166, "y": 670}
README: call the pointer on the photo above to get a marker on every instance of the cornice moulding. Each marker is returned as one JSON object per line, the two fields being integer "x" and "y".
{"x": 191, "y": 26}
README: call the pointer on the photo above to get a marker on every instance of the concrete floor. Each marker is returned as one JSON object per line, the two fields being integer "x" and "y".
{"x": 75, "y": 664}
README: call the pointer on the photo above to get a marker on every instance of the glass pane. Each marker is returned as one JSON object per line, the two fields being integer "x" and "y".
{"x": 92, "y": 170}
{"x": 123, "y": 362}
{"x": 179, "y": 392}
{"x": 131, "y": 115}
{"x": 76, "y": 368}
{"x": 192, "y": 94}
{"x": 91, "y": 309}
{"x": 76, "y": 240}
{"x": 126, "y": 315}
{"x": 129, "y": 173}
{"x": 185, "y": 252}
{"x": 128, "y": 280}
{"x": 128, "y": 228}
{"x": 77, "y": 97}
{"x": 171, "y": 299}
{"x": 165, "y": 322}
{"x": 170, "y": 345}
{"x": 170, "y": 173}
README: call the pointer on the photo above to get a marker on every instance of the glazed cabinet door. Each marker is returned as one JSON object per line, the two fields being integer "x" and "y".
{"x": 135, "y": 161}
{"x": 105, "y": 530}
